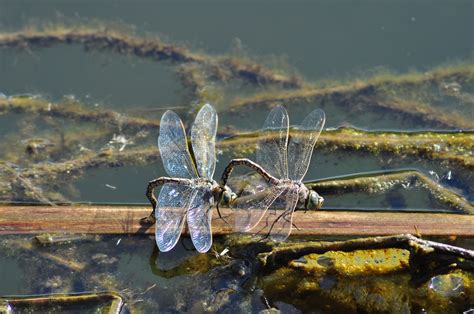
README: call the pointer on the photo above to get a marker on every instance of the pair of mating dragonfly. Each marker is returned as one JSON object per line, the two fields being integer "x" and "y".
{"x": 190, "y": 192}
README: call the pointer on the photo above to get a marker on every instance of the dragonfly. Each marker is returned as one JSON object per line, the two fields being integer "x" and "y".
{"x": 282, "y": 160}
{"x": 189, "y": 193}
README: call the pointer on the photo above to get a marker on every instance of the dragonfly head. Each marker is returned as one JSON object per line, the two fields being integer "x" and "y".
{"x": 314, "y": 201}
{"x": 227, "y": 196}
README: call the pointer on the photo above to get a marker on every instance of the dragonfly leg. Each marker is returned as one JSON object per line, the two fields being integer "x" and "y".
{"x": 267, "y": 224}
{"x": 250, "y": 164}
{"x": 150, "y": 219}
{"x": 284, "y": 216}
{"x": 220, "y": 215}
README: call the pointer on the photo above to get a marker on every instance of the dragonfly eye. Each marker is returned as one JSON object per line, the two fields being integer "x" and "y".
{"x": 228, "y": 196}
{"x": 314, "y": 201}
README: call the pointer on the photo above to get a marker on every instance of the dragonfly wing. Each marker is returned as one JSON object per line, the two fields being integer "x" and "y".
{"x": 272, "y": 143}
{"x": 203, "y": 138}
{"x": 249, "y": 209}
{"x": 174, "y": 147}
{"x": 173, "y": 202}
{"x": 301, "y": 144}
{"x": 280, "y": 228}
{"x": 199, "y": 220}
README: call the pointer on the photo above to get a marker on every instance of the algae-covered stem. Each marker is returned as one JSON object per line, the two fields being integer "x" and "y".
{"x": 106, "y": 39}
{"x": 369, "y": 92}
{"x": 444, "y": 146}
{"x": 114, "y": 301}
{"x": 74, "y": 111}
{"x": 280, "y": 254}
{"x": 375, "y": 93}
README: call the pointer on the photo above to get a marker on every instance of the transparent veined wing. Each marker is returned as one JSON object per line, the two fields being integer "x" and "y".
{"x": 174, "y": 148}
{"x": 249, "y": 209}
{"x": 203, "y": 138}
{"x": 199, "y": 219}
{"x": 280, "y": 227}
{"x": 301, "y": 143}
{"x": 173, "y": 203}
{"x": 272, "y": 143}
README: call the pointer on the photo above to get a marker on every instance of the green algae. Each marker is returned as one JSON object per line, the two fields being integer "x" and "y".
{"x": 364, "y": 279}
{"x": 365, "y": 292}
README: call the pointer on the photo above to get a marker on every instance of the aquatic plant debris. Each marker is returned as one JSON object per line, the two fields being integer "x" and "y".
{"x": 200, "y": 70}
{"x": 452, "y": 149}
{"x": 114, "y": 302}
{"x": 349, "y": 274}
{"x": 106, "y": 39}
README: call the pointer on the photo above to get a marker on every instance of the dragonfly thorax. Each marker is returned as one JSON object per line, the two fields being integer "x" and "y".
{"x": 204, "y": 183}
{"x": 314, "y": 201}
{"x": 309, "y": 199}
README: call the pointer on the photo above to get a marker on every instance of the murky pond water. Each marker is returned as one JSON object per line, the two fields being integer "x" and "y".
{"x": 83, "y": 87}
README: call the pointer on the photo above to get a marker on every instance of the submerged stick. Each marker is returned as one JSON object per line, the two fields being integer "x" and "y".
{"x": 126, "y": 220}
{"x": 57, "y": 259}
{"x": 74, "y": 299}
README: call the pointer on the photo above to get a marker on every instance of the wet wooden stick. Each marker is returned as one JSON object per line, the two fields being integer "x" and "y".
{"x": 126, "y": 220}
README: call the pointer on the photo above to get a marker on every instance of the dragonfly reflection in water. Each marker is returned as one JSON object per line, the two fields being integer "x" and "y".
{"x": 283, "y": 161}
{"x": 190, "y": 191}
